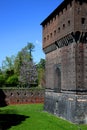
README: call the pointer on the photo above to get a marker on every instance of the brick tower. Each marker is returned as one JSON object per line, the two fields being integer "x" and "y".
{"x": 65, "y": 45}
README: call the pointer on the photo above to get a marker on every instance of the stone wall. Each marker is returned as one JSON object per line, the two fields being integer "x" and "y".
{"x": 68, "y": 106}
{"x": 22, "y": 96}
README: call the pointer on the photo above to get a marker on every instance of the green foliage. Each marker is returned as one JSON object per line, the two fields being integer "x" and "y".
{"x": 9, "y": 73}
{"x": 12, "y": 80}
{"x": 41, "y": 77}
{"x": 41, "y": 64}
{"x": 25, "y": 55}
{"x": 2, "y": 80}
{"x": 37, "y": 119}
{"x": 20, "y": 65}
{"x": 30, "y": 47}
{"x": 8, "y": 63}
{"x": 41, "y": 73}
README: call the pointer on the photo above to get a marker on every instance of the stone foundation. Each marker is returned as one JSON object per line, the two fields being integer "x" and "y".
{"x": 72, "y": 107}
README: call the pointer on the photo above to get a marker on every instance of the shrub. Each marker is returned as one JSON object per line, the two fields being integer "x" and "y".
{"x": 12, "y": 80}
{"x": 2, "y": 80}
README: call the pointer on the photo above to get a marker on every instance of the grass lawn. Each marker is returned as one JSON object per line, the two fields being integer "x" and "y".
{"x": 32, "y": 117}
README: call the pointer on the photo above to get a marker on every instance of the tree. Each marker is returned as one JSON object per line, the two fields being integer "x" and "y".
{"x": 7, "y": 69}
{"x": 8, "y": 63}
{"x": 0, "y": 71}
{"x": 41, "y": 73}
{"x": 12, "y": 81}
{"x": 42, "y": 63}
{"x": 24, "y": 55}
{"x": 28, "y": 74}
{"x": 20, "y": 67}
{"x": 25, "y": 66}
{"x": 2, "y": 80}
{"x": 30, "y": 47}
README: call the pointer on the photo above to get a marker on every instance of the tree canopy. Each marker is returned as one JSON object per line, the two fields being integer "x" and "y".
{"x": 21, "y": 69}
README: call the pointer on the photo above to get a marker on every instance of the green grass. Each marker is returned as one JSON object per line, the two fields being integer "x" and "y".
{"x": 32, "y": 117}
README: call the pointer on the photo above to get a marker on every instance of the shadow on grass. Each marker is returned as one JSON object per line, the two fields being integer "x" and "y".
{"x": 2, "y": 99}
{"x": 9, "y": 120}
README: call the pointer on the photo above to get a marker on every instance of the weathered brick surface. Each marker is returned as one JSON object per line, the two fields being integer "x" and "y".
{"x": 23, "y": 96}
{"x": 65, "y": 20}
{"x": 65, "y": 46}
{"x": 54, "y": 30}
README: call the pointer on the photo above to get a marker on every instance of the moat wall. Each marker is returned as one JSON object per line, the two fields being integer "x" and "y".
{"x": 71, "y": 107}
{"x": 22, "y": 96}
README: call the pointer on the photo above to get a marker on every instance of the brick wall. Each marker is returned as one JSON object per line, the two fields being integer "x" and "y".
{"x": 65, "y": 46}
{"x": 59, "y": 25}
{"x": 62, "y": 59}
{"x": 68, "y": 19}
{"x": 22, "y": 96}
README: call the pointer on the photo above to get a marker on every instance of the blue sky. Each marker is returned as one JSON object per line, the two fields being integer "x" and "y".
{"x": 20, "y": 23}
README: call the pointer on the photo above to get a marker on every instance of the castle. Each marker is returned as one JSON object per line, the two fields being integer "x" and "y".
{"x": 64, "y": 34}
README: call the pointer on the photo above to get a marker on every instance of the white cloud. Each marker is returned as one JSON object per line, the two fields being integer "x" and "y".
{"x": 38, "y": 42}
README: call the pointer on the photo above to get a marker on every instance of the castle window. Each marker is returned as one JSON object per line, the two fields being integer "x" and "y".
{"x": 58, "y": 29}
{"x": 83, "y": 21}
{"x": 68, "y": 22}
{"x": 78, "y": 10}
{"x": 63, "y": 26}
{"x": 54, "y": 32}
{"x": 47, "y": 37}
{"x": 44, "y": 39}
{"x": 50, "y": 35}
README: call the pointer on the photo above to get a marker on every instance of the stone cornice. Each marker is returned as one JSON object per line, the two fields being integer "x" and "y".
{"x": 77, "y": 37}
